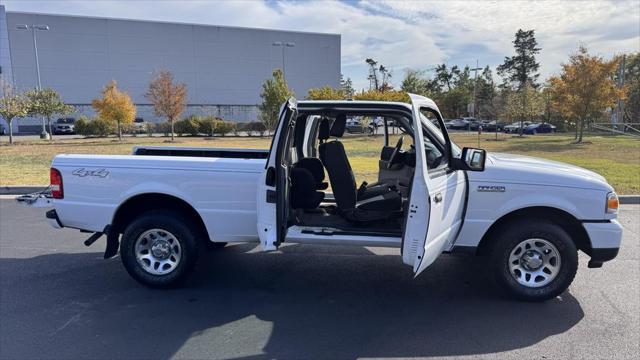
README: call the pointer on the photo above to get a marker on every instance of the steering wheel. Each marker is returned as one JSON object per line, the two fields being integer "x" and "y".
{"x": 394, "y": 155}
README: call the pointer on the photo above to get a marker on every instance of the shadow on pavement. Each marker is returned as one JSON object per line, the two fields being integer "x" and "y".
{"x": 307, "y": 302}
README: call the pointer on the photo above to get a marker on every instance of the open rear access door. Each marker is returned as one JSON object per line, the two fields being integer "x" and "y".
{"x": 436, "y": 200}
{"x": 273, "y": 188}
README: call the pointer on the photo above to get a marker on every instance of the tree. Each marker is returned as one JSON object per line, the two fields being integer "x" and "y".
{"x": 327, "y": 93}
{"x": 585, "y": 88}
{"x": 522, "y": 68}
{"x": 375, "y": 71}
{"x": 534, "y": 104}
{"x": 414, "y": 82}
{"x": 632, "y": 81}
{"x": 391, "y": 95}
{"x": 347, "y": 87}
{"x": 486, "y": 95}
{"x": 168, "y": 98}
{"x": 374, "y": 83}
{"x": 274, "y": 93}
{"x": 46, "y": 102}
{"x": 445, "y": 76}
{"x": 115, "y": 105}
{"x": 12, "y": 105}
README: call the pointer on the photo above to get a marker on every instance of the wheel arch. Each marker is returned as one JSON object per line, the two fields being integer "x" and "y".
{"x": 141, "y": 203}
{"x": 565, "y": 220}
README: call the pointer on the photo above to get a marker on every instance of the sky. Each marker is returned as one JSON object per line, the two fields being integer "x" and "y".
{"x": 401, "y": 34}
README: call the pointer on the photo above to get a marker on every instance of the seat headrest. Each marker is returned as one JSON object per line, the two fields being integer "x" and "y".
{"x": 338, "y": 127}
{"x": 323, "y": 131}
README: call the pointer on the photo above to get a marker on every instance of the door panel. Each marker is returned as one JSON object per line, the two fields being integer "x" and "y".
{"x": 273, "y": 188}
{"x": 436, "y": 202}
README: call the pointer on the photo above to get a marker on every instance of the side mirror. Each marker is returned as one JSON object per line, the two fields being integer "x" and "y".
{"x": 473, "y": 159}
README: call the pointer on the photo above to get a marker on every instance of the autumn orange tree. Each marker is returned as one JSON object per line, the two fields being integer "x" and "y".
{"x": 585, "y": 88}
{"x": 115, "y": 105}
{"x": 168, "y": 98}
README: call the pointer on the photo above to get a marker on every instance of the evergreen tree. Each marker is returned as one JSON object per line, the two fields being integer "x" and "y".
{"x": 522, "y": 68}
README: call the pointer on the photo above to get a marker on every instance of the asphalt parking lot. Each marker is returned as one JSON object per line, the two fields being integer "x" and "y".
{"x": 60, "y": 300}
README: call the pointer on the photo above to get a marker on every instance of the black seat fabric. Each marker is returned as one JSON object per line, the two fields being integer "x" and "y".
{"x": 376, "y": 207}
{"x": 303, "y": 190}
{"x": 315, "y": 167}
{"x": 323, "y": 135}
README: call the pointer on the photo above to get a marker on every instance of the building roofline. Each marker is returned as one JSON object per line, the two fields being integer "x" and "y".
{"x": 171, "y": 22}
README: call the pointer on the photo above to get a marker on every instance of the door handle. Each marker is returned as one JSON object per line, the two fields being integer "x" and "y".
{"x": 437, "y": 198}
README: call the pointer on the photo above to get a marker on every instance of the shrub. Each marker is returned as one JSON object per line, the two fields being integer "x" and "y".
{"x": 151, "y": 128}
{"x": 255, "y": 127}
{"x": 94, "y": 127}
{"x": 207, "y": 125}
{"x": 224, "y": 127}
{"x": 189, "y": 126}
{"x": 81, "y": 126}
{"x": 164, "y": 128}
{"x": 101, "y": 127}
{"x": 237, "y": 128}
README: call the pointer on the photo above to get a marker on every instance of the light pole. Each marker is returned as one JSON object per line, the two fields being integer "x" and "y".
{"x": 283, "y": 45}
{"x": 34, "y": 28}
{"x": 475, "y": 78}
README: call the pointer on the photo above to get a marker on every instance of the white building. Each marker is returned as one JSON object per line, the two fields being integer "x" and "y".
{"x": 223, "y": 67}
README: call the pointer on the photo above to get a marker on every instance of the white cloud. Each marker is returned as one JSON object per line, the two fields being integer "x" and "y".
{"x": 402, "y": 34}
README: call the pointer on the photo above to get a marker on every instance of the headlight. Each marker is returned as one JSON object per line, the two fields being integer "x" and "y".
{"x": 612, "y": 203}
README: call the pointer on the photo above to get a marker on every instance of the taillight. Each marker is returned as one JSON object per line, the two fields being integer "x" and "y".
{"x": 57, "y": 191}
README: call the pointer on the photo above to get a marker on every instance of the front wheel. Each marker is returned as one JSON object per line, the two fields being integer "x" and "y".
{"x": 159, "y": 248}
{"x": 534, "y": 260}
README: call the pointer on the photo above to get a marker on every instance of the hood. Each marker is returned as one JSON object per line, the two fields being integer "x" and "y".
{"x": 508, "y": 168}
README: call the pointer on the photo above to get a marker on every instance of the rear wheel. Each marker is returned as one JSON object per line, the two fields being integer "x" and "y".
{"x": 159, "y": 249}
{"x": 534, "y": 260}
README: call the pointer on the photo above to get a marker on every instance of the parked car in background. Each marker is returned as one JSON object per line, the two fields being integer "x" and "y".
{"x": 543, "y": 128}
{"x": 64, "y": 126}
{"x": 140, "y": 126}
{"x": 458, "y": 124}
{"x": 515, "y": 127}
{"x": 493, "y": 126}
{"x": 355, "y": 125}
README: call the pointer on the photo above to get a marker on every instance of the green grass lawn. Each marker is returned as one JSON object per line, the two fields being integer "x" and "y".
{"x": 615, "y": 157}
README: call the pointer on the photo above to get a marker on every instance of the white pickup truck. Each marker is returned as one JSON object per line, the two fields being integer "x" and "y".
{"x": 161, "y": 205}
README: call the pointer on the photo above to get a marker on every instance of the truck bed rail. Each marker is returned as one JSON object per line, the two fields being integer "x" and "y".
{"x": 201, "y": 152}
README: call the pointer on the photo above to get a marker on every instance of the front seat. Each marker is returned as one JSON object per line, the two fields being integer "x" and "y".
{"x": 381, "y": 205}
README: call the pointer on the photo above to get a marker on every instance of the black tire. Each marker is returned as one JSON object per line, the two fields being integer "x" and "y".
{"x": 515, "y": 233}
{"x": 177, "y": 225}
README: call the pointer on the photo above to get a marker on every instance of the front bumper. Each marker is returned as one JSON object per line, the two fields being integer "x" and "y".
{"x": 605, "y": 238}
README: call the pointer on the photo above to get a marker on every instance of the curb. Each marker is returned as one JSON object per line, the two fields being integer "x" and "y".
{"x": 20, "y": 190}
{"x": 629, "y": 199}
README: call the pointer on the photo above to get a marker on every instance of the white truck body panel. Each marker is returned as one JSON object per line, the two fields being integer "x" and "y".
{"x": 222, "y": 191}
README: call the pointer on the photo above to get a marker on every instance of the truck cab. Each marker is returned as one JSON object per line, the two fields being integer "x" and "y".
{"x": 417, "y": 203}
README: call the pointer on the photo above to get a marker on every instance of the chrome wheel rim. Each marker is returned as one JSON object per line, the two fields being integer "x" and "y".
{"x": 158, "y": 251}
{"x": 534, "y": 262}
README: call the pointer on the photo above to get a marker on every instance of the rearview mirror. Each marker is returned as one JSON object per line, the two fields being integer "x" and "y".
{"x": 474, "y": 158}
